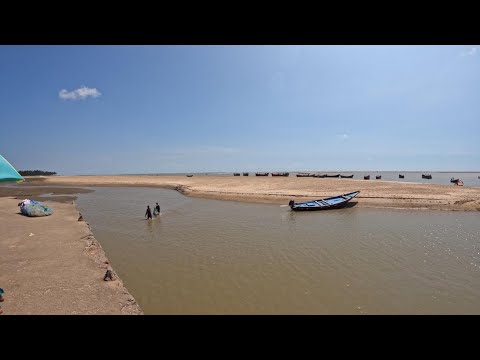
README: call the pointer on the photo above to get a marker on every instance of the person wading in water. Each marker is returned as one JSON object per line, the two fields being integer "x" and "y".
{"x": 148, "y": 213}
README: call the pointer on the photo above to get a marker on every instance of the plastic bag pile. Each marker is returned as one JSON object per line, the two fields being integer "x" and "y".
{"x": 34, "y": 208}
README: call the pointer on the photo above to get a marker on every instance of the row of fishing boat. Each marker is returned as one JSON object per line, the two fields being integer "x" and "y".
{"x": 400, "y": 176}
{"x": 264, "y": 174}
{"x": 366, "y": 177}
{"x": 458, "y": 182}
{"x": 298, "y": 175}
{"x": 325, "y": 175}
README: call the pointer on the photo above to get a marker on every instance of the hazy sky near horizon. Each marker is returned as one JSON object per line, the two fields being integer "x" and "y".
{"x": 153, "y": 109}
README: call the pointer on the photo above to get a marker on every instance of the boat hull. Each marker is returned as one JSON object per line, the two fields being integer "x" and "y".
{"x": 319, "y": 208}
{"x": 334, "y": 202}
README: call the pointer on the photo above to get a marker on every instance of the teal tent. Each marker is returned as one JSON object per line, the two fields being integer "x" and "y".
{"x": 7, "y": 172}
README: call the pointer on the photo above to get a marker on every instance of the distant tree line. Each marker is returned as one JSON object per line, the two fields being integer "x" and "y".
{"x": 36, "y": 172}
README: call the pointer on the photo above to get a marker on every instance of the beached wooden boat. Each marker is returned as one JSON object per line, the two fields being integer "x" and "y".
{"x": 426, "y": 176}
{"x": 261, "y": 174}
{"x": 189, "y": 175}
{"x": 378, "y": 177}
{"x": 400, "y": 176}
{"x": 236, "y": 174}
{"x": 334, "y": 202}
{"x": 245, "y": 174}
{"x": 367, "y": 177}
{"x": 281, "y": 174}
{"x": 332, "y": 176}
{"x": 303, "y": 175}
{"x": 346, "y": 176}
{"x": 319, "y": 176}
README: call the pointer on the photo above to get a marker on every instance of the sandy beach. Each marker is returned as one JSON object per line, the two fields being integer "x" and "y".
{"x": 279, "y": 190}
{"x": 54, "y": 265}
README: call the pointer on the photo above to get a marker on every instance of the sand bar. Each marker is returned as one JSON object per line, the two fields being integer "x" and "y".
{"x": 279, "y": 190}
{"x": 54, "y": 265}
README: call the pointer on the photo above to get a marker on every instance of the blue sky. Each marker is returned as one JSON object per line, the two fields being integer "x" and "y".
{"x": 153, "y": 109}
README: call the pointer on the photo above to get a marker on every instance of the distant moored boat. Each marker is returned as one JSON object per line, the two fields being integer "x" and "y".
{"x": 367, "y": 177}
{"x": 401, "y": 176}
{"x": 245, "y": 174}
{"x": 261, "y": 174}
{"x": 280, "y": 174}
{"x": 236, "y": 174}
{"x": 189, "y": 175}
{"x": 428, "y": 176}
{"x": 346, "y": 176}
{"x": 457, "y": 182}
{"x": 378, "y": 177}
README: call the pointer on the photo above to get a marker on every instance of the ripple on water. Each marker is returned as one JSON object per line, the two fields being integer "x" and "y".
{"x": 206, "y": 256}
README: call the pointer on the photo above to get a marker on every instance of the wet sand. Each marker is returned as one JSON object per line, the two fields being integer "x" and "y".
{"x": 54, "y": 265}
{"x": 279, "y": 190}
{"x": 60, "y": 194}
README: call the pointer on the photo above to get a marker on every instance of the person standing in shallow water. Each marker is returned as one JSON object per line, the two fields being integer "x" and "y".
{"x": 148, "y": 213}
{"x": 157, "y": 209}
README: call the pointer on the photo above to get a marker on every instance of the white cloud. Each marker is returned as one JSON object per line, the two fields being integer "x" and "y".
{"x": 472, "y": 51}
{"x": 343, "y": 136}
{"x": 79, "y": 94}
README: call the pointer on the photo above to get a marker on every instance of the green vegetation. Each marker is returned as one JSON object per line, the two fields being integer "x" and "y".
{"x": 36, "y": 172}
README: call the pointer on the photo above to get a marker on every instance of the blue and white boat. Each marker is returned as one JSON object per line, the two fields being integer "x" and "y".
{"x": 323, "y": 204}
